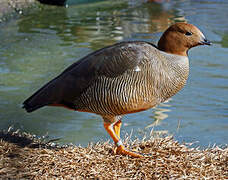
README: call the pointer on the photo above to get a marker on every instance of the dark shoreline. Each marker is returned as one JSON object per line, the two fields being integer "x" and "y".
{"x": 10, "y": 8}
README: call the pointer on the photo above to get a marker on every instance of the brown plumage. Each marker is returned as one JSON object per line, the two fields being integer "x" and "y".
{"x": 124, "y": 78}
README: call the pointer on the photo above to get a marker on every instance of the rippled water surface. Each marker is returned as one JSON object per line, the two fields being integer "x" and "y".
{"x": 37, "y": 46}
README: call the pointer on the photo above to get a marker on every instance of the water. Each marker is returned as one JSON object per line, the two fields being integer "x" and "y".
{"x": 36, "y": 47}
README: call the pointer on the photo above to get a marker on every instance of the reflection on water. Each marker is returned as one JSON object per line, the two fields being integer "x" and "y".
{"x": 160, "y": 113}
{"x": 224, "y": 41}
{"x": 36, "y": 47}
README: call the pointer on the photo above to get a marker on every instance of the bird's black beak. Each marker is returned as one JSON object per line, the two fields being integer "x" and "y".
{"x": 205, "y": 42}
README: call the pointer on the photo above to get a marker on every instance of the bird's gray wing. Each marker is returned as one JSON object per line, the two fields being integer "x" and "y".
{"x": 110, "y": 62}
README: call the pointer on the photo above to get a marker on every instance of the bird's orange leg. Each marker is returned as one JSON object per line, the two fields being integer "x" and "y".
{"x": 117, "y": 127}
{"x": 120, "y": 148}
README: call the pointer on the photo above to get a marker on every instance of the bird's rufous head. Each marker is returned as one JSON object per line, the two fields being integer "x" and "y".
{"x": 180, "y": 37}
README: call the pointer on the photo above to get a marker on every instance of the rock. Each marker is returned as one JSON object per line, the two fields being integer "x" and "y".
{"x": 53, "y": 2}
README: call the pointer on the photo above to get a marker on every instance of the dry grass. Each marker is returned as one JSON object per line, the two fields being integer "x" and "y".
{"x": 168, "y": 160}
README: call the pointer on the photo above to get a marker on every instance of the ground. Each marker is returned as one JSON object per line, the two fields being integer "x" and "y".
{"x": 24, "y": 157}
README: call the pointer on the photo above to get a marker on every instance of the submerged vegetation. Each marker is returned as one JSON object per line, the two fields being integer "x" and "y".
{"x": 25, "y": 156}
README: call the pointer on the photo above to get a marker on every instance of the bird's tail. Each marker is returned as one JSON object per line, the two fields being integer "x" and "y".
{"x": 36, "y": 101}
{"x": 47, "y": 95}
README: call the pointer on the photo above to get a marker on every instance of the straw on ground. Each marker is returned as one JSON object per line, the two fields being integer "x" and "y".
{"x": 168, "y": 160}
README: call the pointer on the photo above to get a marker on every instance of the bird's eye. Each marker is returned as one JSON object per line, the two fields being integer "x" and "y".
{"x": 188, "y": 33}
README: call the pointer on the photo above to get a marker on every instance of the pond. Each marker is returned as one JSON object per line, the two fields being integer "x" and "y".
{"x": 37, "y": 46}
